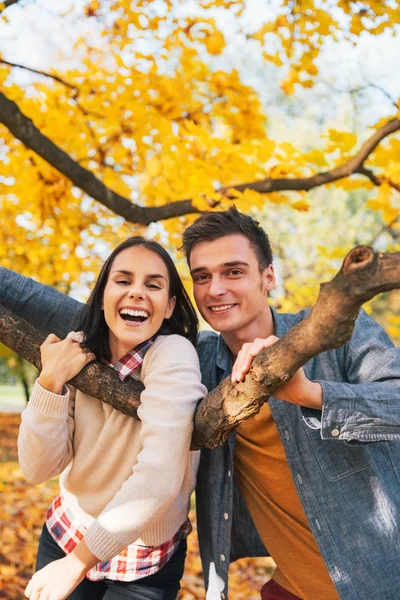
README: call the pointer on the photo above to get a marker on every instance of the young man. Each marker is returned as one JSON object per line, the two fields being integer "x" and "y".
{"x": 312, "y": 477}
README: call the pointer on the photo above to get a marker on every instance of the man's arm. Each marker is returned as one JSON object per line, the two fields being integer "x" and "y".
{"x": 367, "y": 407}
{"x": 43, "y": 306}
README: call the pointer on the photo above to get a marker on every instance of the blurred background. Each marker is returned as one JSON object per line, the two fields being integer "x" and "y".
{"x": 120, "y": 117}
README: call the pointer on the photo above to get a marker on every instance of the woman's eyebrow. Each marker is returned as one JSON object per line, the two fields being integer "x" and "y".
{"x": 150, "y": 276}
{"x": 123, "y": 272}
{"x": 156, "y": 276}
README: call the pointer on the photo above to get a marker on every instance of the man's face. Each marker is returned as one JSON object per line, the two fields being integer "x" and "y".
{"x": 229, "y": 289}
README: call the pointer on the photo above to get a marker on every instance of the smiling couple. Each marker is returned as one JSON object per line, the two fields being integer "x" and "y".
{"x": 312, "y": 480}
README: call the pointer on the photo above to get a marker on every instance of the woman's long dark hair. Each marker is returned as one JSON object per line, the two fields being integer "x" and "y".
{"x": 183, "y": 320}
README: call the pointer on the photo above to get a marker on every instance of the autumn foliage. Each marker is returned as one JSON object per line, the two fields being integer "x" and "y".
{"x": 155, "y": 122}
{"x": 146, "y": 118}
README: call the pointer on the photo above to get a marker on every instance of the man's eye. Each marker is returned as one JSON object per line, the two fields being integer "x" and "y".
{"x": 234, "y": 272}
{"x": 200, "y": 278}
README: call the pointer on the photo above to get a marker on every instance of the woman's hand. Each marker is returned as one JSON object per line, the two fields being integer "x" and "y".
{"x": 56, "y": 581}
{"x": 62, "y": 360}
{"x": 298, "y": 390}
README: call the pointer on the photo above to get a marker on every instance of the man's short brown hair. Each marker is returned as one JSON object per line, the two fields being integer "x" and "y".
{"x": 211, "y": 226}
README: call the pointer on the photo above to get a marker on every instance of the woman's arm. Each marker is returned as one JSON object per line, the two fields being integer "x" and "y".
{"x": 46, "y": 433}
{"x": 172, "y": 390}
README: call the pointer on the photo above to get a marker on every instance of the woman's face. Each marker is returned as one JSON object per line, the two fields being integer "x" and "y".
{"x": 136, "y": 299}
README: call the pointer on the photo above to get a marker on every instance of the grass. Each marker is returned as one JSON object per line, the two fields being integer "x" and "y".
{"x": 12, "y": 398}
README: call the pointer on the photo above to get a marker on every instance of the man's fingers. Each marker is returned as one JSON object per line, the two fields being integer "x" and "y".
{"x": 246, "y": 355}
{"x": 90, "y": 356}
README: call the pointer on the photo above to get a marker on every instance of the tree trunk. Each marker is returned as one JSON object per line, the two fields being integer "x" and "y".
{"x": 363, "y": 275}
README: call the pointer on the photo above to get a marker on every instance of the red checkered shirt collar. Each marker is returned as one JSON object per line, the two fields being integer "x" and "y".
{"x": 131, "y": 361}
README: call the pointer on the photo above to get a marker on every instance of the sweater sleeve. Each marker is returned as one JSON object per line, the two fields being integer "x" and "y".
{"x": 45, "y": 440}
{"x": 172, "y": 390}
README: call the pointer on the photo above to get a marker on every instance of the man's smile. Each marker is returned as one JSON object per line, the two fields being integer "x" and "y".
{"x": 221, "y": 307}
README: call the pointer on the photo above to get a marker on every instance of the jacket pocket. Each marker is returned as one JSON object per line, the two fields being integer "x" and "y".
{"x": 337, "y": 459}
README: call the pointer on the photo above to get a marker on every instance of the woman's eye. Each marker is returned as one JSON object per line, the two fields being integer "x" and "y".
{"x": 123, "y": 282}
{"x": 153, "y": 286}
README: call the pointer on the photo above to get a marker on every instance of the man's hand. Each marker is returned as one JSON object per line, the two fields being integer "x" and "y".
{"x": 298, "y": 390}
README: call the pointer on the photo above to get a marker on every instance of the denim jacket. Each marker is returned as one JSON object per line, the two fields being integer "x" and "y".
{"x": 344, "y": 460}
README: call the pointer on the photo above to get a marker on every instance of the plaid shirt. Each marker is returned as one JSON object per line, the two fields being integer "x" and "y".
{"x": 135, "y": 561}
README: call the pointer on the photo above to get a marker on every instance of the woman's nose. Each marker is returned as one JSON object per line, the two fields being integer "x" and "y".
{"x": 136, "y": 292}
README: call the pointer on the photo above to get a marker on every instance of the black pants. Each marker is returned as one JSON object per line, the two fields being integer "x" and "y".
{"x": 163, "y": 585}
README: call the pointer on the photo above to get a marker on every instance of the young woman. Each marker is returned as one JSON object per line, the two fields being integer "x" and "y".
{"x": 118, "y": 527}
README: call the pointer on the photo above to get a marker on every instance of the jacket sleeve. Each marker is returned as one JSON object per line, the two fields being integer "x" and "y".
{"x": 45, "y": 440}
{"x": 365, "y": 408}
{"x": 172, "y": 391}
{"x": 39, "y": 304}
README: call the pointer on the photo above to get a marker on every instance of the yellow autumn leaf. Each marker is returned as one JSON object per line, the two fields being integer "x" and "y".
{"x": 384, "y": 195}
{"x": 274, "y": 58}
{"x": 301, "y": 205}
{"x": 153, "y": 167}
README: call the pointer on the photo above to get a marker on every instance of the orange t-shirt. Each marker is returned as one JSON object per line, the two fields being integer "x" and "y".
{"x": 265, "y": 481}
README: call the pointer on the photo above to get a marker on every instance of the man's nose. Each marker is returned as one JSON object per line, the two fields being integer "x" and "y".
{"x": 217, "y": 287}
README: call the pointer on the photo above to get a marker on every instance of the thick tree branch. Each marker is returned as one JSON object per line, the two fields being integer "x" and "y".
{"x": 23, "y": 129}
{"x": 329, "y": 325}
{"x": 95, "y": 379}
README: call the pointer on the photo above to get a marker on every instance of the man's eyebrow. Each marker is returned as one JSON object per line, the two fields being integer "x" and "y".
{"x": 236, "y": 263}
{"x": 150, "y": 276}
{"x": 233, "y": 263}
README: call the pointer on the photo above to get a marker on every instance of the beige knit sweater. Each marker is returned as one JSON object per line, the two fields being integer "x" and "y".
{"x": 126, "y": 480}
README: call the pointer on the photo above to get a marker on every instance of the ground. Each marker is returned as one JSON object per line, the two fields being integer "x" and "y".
{"x": 22, "y": 512}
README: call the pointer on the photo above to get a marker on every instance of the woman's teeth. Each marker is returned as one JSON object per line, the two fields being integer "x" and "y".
{"x": 129, "y": 314}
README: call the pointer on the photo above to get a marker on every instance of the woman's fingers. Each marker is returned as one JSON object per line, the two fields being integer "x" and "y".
{"x": 51, "y": 339}
{"x": 75, "y": 336}
{"x": 32, "y": 590}
{"x": 90, "y": 356}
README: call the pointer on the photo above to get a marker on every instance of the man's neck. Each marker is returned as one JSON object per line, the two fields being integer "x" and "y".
{"x": 262, "y": 327}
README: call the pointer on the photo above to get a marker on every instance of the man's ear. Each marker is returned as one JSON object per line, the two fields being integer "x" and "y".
{"x": 269, "y": 279}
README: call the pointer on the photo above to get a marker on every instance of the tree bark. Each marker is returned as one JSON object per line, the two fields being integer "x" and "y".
{"x": 95, "y": 379}
{"x": 24, "y": 129}
{"x": 330, "y": 324}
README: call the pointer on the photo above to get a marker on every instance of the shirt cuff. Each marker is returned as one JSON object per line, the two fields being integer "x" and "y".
{"x": 338, "y": 412}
